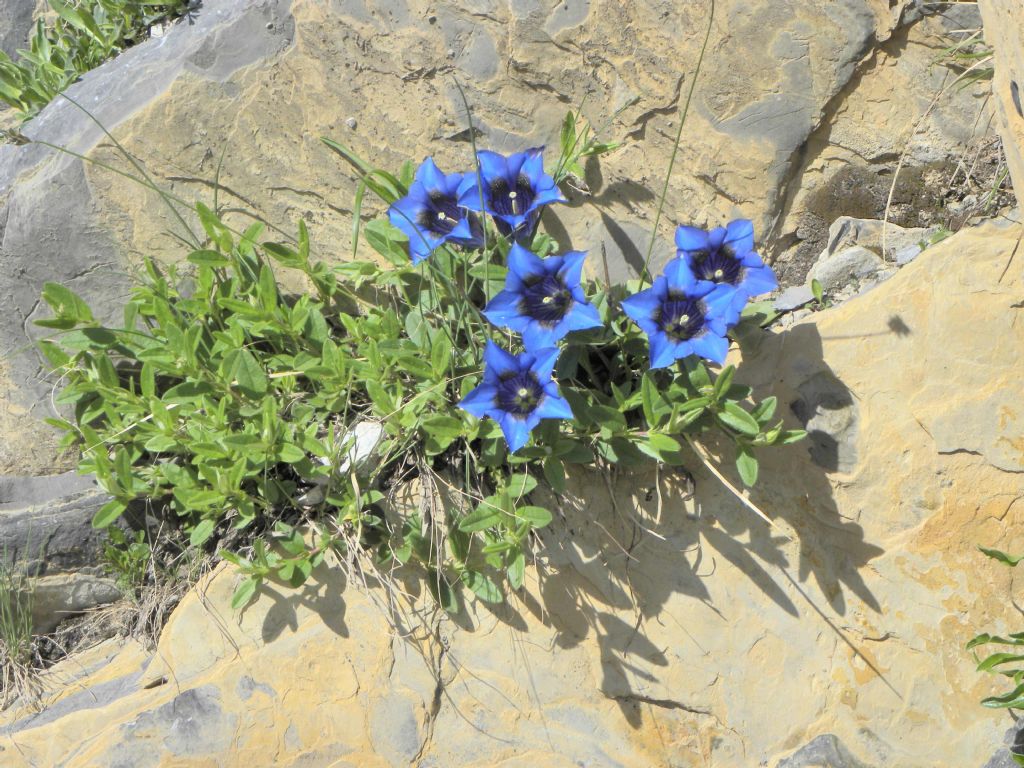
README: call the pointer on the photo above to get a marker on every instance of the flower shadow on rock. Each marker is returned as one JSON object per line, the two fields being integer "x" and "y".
{"x": 624, "y": 550}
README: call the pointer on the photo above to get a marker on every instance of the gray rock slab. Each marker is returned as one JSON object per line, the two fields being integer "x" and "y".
{"x": 873, "y": 234}
{"x": 793, "y": 298}
{"x": 825, "y": 751}
{"x": 53, "y": 534}
{"x": 15, "y": 24}
{"x": 851, "y": 265}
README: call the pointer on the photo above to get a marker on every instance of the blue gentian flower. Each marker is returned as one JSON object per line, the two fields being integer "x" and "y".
{"x": 543, "y": 298}
{"x": 431, "y": 215}
{"x": 517, "y": 392}
{"x": 726, "y": 256}
{"x": 682, "y": 316}
{"x": 514, "y": 189}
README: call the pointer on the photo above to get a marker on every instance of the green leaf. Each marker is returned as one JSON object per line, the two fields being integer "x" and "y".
{"x": 1002, "y": 557}
{"x": 735, "y": 417}
{"x": 187, "y": 391}
{"x": 201, "y": 532}
{"x": 765, "y": 409}
{"x": 482, "y": 586}
{"x": 554, "y": 473}
{"x": 520, "y": 485}
{"x": 997, "y": 659}
{"x": 661, "y": 448}
{"x": 247, "y": 374}
{"x": 245, "y": 592}
{"x": 486, "y": 515}
{"x": 440, "y": 431}
{"x": 66, "y": 304}
{"x": 791, "y": 436}
{"x": 746, "y": 465}
{"x": 654, "y": 405}
{"x": 284, "y": 255}
{"x": 516, "y": 568}
{"x": 209, "y": 259}
{"x": 108, "y": 513}
{"x": 386, "y": 240}
{"x": 1014, "y": 699}
{"x": 723, "y": 382}
{"x": 445, "y": 596}
{"x": 538, "y": 517}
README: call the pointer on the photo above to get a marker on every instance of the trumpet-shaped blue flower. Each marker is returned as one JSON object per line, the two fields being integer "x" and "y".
{"x": 682, "y": 316}
{"x": 543, "y": 299}
{"x": 431, "y": 215}
{"x": 514, "y": 189}
{"x": 517, "y": 392}
{"x": 726, "y": 256}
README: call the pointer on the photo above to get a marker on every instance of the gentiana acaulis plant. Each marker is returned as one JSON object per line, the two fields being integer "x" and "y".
{"x": 471, "y": 353}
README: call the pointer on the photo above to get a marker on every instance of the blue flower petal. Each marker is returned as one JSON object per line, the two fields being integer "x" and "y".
{"x": 720, "y": 300}
{"x": 492, "y": 165}
{"x": 516, "y": 431}
{"x": 461, "y": 232}
{"x": 525, "y": 264}
{"x": 498, "y": 362}
{"x": 430, "y": 176}
{"x": 546, "y": 196}
{"x": 716, "y": 237}
{"x": 691, "y": 239}
{"x": 711, "y": 347}
{"x": 581, "y": 317}
{"x": 751, "y": 259}
{"x": 680, "y": 277}
{"x": 642, "y": 306}
{"x": 759, "y": 280}
{"x": 571, "y": 268}
{"x": 480, "y": 400}
{"x": 663, "y": 350}
{"x": 529, "y": 162}
{"x": 538, "y": 336}
{"x": 553, "y": 407}
{"x": 468, "y": 194}
{"x": 544, "y": 360}
{"x": 740, "y": 235}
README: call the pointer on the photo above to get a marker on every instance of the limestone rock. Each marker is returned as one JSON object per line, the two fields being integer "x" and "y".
{"x": 1004, "y": 20}
{"x": 855, "y": 264}
{"x": 15, "y": 25}
{"x": 61, "y": 596}
{"x": 902, "y": 104}
{"x": 658, "y": 628}
{"x": 46, "y": 534}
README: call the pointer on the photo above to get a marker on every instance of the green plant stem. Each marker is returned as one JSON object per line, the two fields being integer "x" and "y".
{"x": 645, "y": 275}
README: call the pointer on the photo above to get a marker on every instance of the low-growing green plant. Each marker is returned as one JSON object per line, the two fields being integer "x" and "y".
{"x": 127, "y": 557}
{"x": 1008, "y": 660}
{"x": 280, "y": 426}
{"x": 81, "y": 36}
{"x": 18, "y": 653}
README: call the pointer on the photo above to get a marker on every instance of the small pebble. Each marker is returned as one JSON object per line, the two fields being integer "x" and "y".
{"x": 351, "y": 123}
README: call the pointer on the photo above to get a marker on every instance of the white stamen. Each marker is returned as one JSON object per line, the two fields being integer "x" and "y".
{"x": 719, "y": 273}
{"x": 523, "y": 392}
{"x": 684, "y": 318}
{"x": 441, "y": 216}
{"x": 512, "y": 195}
